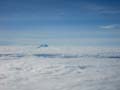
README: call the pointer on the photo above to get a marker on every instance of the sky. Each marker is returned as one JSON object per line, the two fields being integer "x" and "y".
{"x": 60, "y": 22}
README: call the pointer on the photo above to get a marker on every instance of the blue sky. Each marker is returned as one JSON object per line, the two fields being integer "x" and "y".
{"x": 60, "y": 22}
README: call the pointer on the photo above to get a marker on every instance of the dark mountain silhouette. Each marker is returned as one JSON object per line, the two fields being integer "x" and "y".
{"x": 43, "y": 45}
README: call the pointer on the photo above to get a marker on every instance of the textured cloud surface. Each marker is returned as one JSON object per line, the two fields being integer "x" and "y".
{"x": 23, "y": 68}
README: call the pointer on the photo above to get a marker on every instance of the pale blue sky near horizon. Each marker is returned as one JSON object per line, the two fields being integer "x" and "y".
{"x": 60, "y": 22}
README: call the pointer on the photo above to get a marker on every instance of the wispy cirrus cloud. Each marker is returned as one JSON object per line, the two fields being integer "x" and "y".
{"x": 101, "y": 8}
{"x": 111, "y": 26}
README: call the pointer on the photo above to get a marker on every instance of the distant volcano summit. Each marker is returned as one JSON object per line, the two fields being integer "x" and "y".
{"x": 43, "y": 45}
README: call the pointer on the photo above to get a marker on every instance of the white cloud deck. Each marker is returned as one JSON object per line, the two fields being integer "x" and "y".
{"x": 39, "y": 73}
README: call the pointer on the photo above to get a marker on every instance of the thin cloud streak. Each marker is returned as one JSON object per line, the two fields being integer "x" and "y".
{"x": 112, "y": 26}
